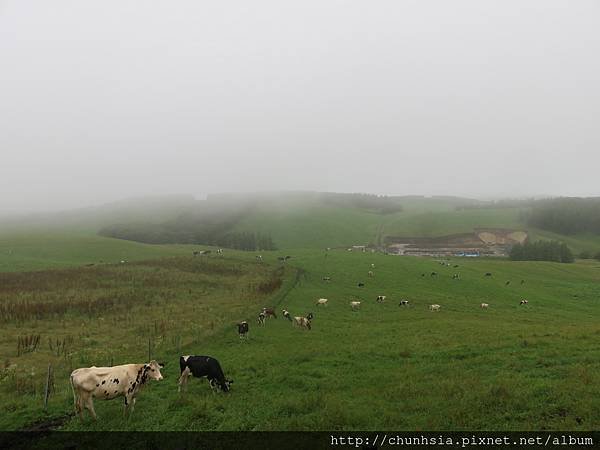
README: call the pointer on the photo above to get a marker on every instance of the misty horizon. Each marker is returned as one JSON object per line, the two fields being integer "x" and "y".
{"x": 110, "y": 101}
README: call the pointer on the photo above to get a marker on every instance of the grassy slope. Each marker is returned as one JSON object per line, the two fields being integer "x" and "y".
{"x": 385, "y": 367}
{"x": 34, "y": 250}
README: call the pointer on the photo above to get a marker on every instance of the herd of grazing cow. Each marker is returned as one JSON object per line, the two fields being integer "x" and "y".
{"x": 127, "y": 380}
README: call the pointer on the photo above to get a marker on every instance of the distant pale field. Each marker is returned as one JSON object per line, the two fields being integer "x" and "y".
{"x": 382, "y": 367}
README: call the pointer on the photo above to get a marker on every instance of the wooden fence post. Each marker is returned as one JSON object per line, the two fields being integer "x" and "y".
{"x": 47, "y": 391}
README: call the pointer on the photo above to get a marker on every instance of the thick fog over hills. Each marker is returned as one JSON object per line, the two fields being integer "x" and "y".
{"x": 102, "y": 101}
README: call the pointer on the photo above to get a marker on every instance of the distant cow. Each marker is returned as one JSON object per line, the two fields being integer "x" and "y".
{"x": 403, "y": 303}
{"x": 326, "y": 278}
{"x": 286, "y": 314}
{"x": 322, "y": 301}
{"x": 380, "y": 298}
{"x": 355, "y": 305}
{"x": 488, "y": 274}
{"x": 203, "y": 366}
{"x": 456, "y": 276}
{"x": 107, "y": 383}
{"x": 269, "y": 312}
{"x": 434, "y": 274}
{"x": 361, "y": 284}
{"x": 302, "y": 322}
{"x": 434, "y": 307}
{"x": 243, "y": 329}
{"x": 523, "y": 302}
{"x": 370, "y": 273}
{"x": 219, "y": 251}
{"x": 484, "y": 305}
{"x": 259, "y": 257}
{"x": 261, "y": 318}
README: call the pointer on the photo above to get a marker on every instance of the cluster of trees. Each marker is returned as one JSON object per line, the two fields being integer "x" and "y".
{"x": 161, "y": 234}
{"x": 567, "y": 215}
{"x": 379, "y": 203}
{"x": 542, "y": 251}
{"x": 210, "y": 226}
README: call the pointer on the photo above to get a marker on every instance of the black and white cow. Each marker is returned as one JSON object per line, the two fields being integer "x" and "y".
{"x": 523, "y": 302}
{"x": 403, "y": 303}
{"x": 261, "y": 318}
{"x": 200, "y": 367}
{"x": 243, "y": 329}
{"x": 286, "y": 314}
{"x": 380, "y": 298}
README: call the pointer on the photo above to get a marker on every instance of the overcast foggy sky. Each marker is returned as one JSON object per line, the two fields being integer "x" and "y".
{"x": 104, "y": 100}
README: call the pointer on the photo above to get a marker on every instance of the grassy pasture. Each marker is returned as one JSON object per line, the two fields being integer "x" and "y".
{"x": 383, "y": 367}
{"x": 113, "y": 314}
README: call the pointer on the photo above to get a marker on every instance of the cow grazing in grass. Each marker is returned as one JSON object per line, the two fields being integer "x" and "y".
{"x": 523, "y": 302}
{"x": 269, "y": 312}
{"x": 488, "y": 274}
{"x": 434, "y": 307}
{"x": 322, "y": 301}
{"x": 484, "y": 306}
{"x": 286, "y": 314}
{"x": 107, "y": 383}
{"x": 403, "y": 303}
{"x": 302, "y": 322}
{"x": 243, "y": 329}
{"x": 326, "y": 278}
{"x": 355, "y": 306}
{"x": 203, "y": 366}
{"x": 259, "y": 258}
{"x": 261, "y": 318}
{"x": 380, "y": 298}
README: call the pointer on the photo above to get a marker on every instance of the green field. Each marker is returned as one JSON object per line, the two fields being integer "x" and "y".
{"x": 383, "y": 367}
{"x": 509, "y": 367}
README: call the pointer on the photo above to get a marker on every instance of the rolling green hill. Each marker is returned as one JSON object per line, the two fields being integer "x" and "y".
{"x": 509, "y": 367}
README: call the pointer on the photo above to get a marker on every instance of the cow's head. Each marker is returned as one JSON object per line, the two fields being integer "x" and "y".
{"x": 153, "y": 370}
{"x": 227, "y": 386}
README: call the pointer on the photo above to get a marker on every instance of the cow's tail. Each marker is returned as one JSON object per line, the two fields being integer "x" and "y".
{"x": 75, "y": 396}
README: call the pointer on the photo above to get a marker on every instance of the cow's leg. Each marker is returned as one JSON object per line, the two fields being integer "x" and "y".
{"x": 131, "y": 406}
{"x": 89, "y": 404}
{"x": 128, "y": 401}
{"x": 183, "y": 379}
